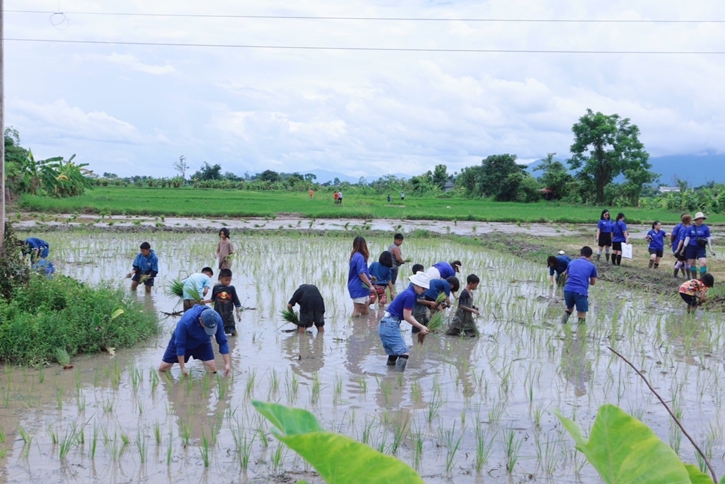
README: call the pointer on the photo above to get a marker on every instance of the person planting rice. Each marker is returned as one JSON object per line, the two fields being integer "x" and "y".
{"x": 225, "y": 299}
{"x": 145, "y": 268}
{"x": 697, "y": 241}
{"x": 557, "y": 265}
{"x": 444, "y": 270}
{"x": 437, "y": 296}
{"x": 401, "y": 309}
{"x": 358, "y": 278}
{"x": 36, "y": 248}
{"x": 192, "y": 338}
{"x": 224, "y": 249}
{"x": 676, "y": 239}
{"x": 312, "y": 307}
{"x": 463, "y": 320}
{"x": 619, "y": 236}
{"x": 196, "y": 287}
{"x": 381, "y": 275}
{"x": 694, "y": 292}
{"x": 604, "y": 234}
{"x": 580, "y": 274}
{"x": 398, "y": 260}
{"x": 656, "y": 239}
{"x": 420, "y": 311}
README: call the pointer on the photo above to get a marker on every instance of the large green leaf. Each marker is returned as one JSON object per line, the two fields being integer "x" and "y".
{"x": 624, "y": 450}
{"x": 338, "y": 459}
{"x": 697, "y": 476}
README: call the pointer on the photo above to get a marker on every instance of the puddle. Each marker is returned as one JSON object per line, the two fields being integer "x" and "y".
{"x": 499, "y": 387}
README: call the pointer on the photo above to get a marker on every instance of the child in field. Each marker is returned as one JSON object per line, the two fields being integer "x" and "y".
{"x": 381, "y": 274}
{"x": 694, "y": 291}
{"x": 656, "y": 239}
{"x": 401, "y": 309}
{"x": 312, "y": 307}
{"x": 224, "y": 249}
{"x": 580, "y": 274}
{"x": 196, "y": 286}
{"x": 145, "y": 268}
{"x": 463, "y": 320}
{"x": 225, "y": 299}
{"x": 557, "y": 265}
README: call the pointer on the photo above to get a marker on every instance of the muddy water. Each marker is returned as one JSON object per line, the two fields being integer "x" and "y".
{"x": 498, "y": 389}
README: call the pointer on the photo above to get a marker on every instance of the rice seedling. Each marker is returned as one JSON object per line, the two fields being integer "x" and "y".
{"x": 41, "y": 375}
{"x": 249, "y": 389}
{"x": 94, "y": 442}
{"x": 66, "y": 443}
{"x": 3, "y": 437}
{"x": 262, "y": 433}
{"x": 52, "y": 434}
{"x": 484, "y": 445}
{"x": 315, "y": 390}
{"x": 290, "y": 316}
{"x": 278, "y": 457}
{"x": 434, "y": 324}
{"x": 125, "y": 440}
{"x": 452, "y": 444}
{"x": 116, "y": 374}
{"x": 400, "y": 429}
{"x": 417, "y": 441}
{"x": 62, "y": 357}
{"x": 185, "y": 433}
{"x": 154, "y": 380}
{"x": 204, "y": 449}
{"x": 435, "y": 404}
{"x": 58, "y": 398}
{"x": 136, "y": 378}
{"x": 512, "y": 446}
{"x": 244, "y": 445}
{"x": 170, "y": 449}
{"x": 337, "y": 393}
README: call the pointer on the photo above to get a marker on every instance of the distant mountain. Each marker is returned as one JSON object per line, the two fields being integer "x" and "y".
{"x": 694, "y": 169}
{"x": 324, "y": 176}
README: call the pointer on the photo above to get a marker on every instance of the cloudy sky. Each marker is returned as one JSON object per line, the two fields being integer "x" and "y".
{"x": 133, "y": 109}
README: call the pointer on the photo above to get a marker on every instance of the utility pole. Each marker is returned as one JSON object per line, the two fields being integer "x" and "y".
{"x": 2, "y": 132}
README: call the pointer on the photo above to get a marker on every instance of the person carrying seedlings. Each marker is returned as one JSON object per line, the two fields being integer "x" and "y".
{"x": 656, "y": 239}
{"x": 676, "y": 239}
{"x": 398, "y": 260}
{"x": 358, "y": 277}
{"x": 697, "y": 241}
{"x": 196, "y": 286}
{"x": 436, "y": 297}
{"x": 312, "y": 307}
{"x": 694, "y": 292}
{"x": 619, "y": 236}
{"x": 580, "y": 274}
{"x": 401, "y": 309}
{"x": 463, "y": 319}
{"x": 36, "y": 248}
{"x": 444, "y": 270}
{"x": 225, "y": 299}
{"x": 192, "y": 338}
{"x": 224, "y": 249}
{"x": 557, "y": 265}
{"x": 381, "y": 275}
{"x": 145, "y": 268}
{"x": 604, "y": 234}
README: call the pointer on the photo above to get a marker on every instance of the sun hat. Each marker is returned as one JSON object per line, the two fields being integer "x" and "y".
{"x": 209, "y": 319}
{"x": 420, "y": 279}
{"x": 700, "y": 215}
{"x": 561, "y": 252}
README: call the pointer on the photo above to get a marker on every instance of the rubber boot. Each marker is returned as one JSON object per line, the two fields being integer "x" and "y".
{"x": 401, "y": 363}
{"x": 391, "y": 360}
{"x": 607, "y": 256}
{"x": 599, "y": 256}
{"x": 651, "y": 263}
{"x": 677, "y": 269}
{"x": 565, "y": 317}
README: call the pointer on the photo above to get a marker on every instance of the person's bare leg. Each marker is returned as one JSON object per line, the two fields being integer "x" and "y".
{"x": 301, "y": 329}
{"x": 360, "y": 310}
{"x": 163, "y": 367}
{"x": 320, "y": 329}
{"x": 148, "y": 289}
{"x": 134, "y": 285}
{"x": 210, "y": 366}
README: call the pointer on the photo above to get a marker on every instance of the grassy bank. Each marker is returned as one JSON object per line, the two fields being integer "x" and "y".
{"x": 234, "y": 204}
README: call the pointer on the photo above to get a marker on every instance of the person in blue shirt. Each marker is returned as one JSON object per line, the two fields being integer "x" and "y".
{"x": 196, "y": 287}
{"x": 557, "y": 265}
{"x": 656, "y": 239}
{"x": 619, "y": 236}
{"x": 580, "y": 274}
{"x": 444, "y": 270}
{"x": 604, "y": 234}
{"x": 44, "y": 266}
{"x": 697, "y": 241}
{"x": 145, "y": 268}
{"x": 37, "y": 248}
{"x": 381, "y": 274}
{"x": 401, "y": 309}
{"x": 192, "y": 338}
{"x": 680, "y": 257}
{"x": 358, "y": 277}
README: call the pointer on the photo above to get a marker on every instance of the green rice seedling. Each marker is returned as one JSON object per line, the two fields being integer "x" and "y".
{"x": 290, "y": 316}
{"x": 538, "y": 412}
{"x": 185, "y": 433}
{"x": 80, "y": 401}
{"x": 94, "y": 442}
{"x": 175, "y": 288}
{"x": 512, "y": 445}
{"x": 24, "y": 435}
{"x": 136, "y": 377}
{"x": 204, "y": 449}
{"x": 3, "y": 437}
{"x": 62, "y": 357}
{"x": 367, "y": 431}
{"x": 205, "y": 384}
{"x": 401, "y": 427}
{"x": 66, "y": 443}
{"x": 417, "y": 441}
{"x": 484, "y": 445}
{"x": 157, "y": 432}
{"x": 337, "y": 391}
{"x": 125, "y": 440}
{"x": 315, "y": 391}
{"x": 262, "y": 432}
{"x": 435, "y": 404}
{"x": 116, "y": 374}
{"x": 52, "y": 434}
{"x": 386, "y": 388}
{"x": 170, "y": 449}
{"x": 154, "y": 380}
{"x": 434, "y": 324}
{"x": 108, "y": 404}
{"x": 277, "y": 457}
{"x": 249, "y": 390}
{"x": 244, "y": 445}
{"x": 363, "y": 385}
{"x": 139, "y": 404}
{"x": 415, "y": 392}
{"x": 222, "y": 386}
{"x": 452, "y": 445}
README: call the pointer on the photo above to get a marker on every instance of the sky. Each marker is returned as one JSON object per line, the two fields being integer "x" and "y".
{"x": 133, "y": 110}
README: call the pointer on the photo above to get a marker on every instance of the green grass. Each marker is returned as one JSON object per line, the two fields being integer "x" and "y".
{"x": 237, "y": 203}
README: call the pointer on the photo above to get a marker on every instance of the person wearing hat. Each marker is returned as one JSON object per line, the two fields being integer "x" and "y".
{"x": 444, "y": 270}
{"x": 192, "y": 338}
{"x": 402, "y": 309}
{"x": 697, "y": 241}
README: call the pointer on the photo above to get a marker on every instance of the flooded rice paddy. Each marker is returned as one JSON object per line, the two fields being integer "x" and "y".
{"x": 465, "y": 410}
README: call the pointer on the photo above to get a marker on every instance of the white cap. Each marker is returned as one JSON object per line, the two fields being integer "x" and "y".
{"x": 420, "y": 279}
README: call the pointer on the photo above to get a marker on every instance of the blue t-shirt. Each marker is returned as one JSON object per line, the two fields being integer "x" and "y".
{"x": 577, "y": 276}
{"x": 675, "y": 236}
{"x": 354, "y": 283}
{"x": 198, "y": 282}
{"x": 657, "y": 241}
{"x": 36, "y": 243}
{"x": 446, "y": 270}
{"x": 694, "y": 232}
{"x": 605, "y": 226}
{"x": 562, "y": 264}
{"x": 189, "y": 334}
{"x": 146, "y": 264}
{"x": 404, "y": 300}
{"x": 619, "y": 228}
{"x": 438, "y": 286}
{"x": 381, "y": 273}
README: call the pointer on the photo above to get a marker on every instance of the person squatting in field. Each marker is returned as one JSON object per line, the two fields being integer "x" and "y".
{"x": 557, "y": 266}
{"x": 312, "y": 307}
{"x": 694, "y": 292}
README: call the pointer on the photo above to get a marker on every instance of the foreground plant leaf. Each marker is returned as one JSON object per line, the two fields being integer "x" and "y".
{"x": 623, "y": 450}
{"x": 697, "y": 476}
{"x": 338, "y": 459}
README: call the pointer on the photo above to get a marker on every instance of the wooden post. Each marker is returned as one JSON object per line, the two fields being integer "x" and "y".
{"x": 2, "y": 131}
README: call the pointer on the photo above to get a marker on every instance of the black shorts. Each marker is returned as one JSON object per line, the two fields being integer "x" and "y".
{"x": 312, "y": 317}
{"x": 617, "y": 246}
{"x": 605, "y": 240}
{"x": 689, "y": 299}
{"x": 682, "y": 257}
{"x": 657, "y": 252}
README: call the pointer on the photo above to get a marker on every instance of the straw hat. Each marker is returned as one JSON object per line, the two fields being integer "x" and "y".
{"x": 700, "y": 215}
{"x": 420, "y": 279}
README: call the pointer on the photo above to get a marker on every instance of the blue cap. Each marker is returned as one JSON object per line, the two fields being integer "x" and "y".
{"x": 210, "y": 320}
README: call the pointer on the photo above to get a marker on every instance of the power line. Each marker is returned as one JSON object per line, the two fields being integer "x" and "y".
{"x": 402, "y": 19}
{"x": 370, "y": 49}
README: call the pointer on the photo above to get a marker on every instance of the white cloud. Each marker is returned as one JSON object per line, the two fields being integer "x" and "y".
{"x": 132, "y": 62}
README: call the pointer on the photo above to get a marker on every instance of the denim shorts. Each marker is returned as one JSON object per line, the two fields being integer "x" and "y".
{"x": 579, "y": 300}
{"x": 389, "y": 330}
{"x": 204, "y": 352}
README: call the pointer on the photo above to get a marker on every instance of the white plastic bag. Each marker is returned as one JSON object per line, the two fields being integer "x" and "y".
{"x": 626, "y": 251}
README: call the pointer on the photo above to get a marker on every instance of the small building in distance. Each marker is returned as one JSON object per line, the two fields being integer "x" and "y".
{"x": 448, "y": 186}
{"x": 664, "y": 189}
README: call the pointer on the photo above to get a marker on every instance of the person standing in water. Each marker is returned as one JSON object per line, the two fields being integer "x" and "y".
{"x": 224, "y": 249}
{"x": 604, "y": 234}
{"x": 398, "y": 260}
{"x": 358, "y": 277}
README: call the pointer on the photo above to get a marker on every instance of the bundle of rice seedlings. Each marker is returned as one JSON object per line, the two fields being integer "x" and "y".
{"x": 435, "y": 323}
{"x": 176, "y": 288}
{"x": 408, "y": 260}
{"x": 441, "y": 298}
{"x": 290, "y": 316}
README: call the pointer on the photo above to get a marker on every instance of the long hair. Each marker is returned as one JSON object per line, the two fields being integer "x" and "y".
{"x": 601, "y": 217}
{"x": 359, "y": 245}
{"x": 654, "y": 224}
{"x": 620, "y": 216}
